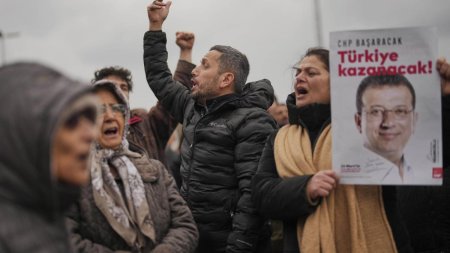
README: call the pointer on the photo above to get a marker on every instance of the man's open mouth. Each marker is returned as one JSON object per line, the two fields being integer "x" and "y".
{"x": 194, "y": 82}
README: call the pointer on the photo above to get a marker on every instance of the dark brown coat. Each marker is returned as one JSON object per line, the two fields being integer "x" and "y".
{"x": 173, "y": 223}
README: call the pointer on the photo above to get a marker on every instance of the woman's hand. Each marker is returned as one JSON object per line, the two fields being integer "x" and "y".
{"x": 321, "y": 184}
{"x": 443, "y": 68}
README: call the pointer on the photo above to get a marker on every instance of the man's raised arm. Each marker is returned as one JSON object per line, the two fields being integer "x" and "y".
{"x": 185, "y": 41}
{"x": 157, "y": 12}
{"x": 173, "y": 96}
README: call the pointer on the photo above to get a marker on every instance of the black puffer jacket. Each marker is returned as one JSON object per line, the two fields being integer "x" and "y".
{"x": 32, "y": 98}
{"x": 151, "y": 129}
{"x": 220, "y": 152}
{"x": 285, "y": 199}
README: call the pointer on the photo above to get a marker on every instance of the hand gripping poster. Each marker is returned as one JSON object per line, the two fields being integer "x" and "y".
{"x": 386, "y": 107}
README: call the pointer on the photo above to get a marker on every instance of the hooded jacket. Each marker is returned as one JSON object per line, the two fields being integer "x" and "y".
{"x": 32, "y": 98}
{"x": 220, "y": 152}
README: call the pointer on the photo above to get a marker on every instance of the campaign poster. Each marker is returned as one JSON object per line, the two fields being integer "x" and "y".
{"x": 386, "y": 106}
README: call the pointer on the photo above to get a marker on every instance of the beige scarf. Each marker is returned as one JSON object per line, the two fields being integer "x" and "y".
{"x": 351, "y": 219}
{"x": 128, "y": 215}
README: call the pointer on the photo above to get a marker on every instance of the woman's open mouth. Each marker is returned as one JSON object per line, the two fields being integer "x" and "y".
{"x": 111, "y": 131}
{"x": 301, "y": 91}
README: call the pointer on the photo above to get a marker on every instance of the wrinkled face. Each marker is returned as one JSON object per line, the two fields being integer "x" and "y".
{"x": 120, "y": 83}
{"x": 312, "y": 82}
{"x": 387, "y": 120}
{"x": 71, "y": 146}
{"x": 206, "y": 77}
{"x": 112, "y": 120}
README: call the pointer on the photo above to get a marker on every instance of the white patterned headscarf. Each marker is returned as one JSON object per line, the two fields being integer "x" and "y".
{"x": 128, "y": 215}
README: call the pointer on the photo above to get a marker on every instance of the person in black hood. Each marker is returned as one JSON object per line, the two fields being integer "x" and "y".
{"x": 225, "y": 125}
{"x": 47, "y": 127}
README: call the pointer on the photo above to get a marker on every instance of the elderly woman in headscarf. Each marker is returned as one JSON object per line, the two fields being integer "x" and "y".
{"x": 47, "y": 125}
{"x": 131, "y": 204}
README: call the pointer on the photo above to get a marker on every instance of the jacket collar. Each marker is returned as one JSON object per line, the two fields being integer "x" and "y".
{"x": 217, "y": 103}
{"x": 258, "y": 94}
{"x": 312, "y": 116}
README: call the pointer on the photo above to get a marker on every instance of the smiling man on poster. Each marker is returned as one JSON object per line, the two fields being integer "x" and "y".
{"x": 386, "y": 118}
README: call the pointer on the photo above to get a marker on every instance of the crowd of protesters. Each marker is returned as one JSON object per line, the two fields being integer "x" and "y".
{"x": 217, "y": 165}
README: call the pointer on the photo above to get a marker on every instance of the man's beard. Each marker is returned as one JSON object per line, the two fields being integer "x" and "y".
{"x": 200, "y": 96}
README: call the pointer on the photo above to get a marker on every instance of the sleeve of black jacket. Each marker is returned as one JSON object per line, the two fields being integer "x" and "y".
{"x": 276, "y": 198}
{"x": 173, "y": 95}
{"x": 247, "y": 222}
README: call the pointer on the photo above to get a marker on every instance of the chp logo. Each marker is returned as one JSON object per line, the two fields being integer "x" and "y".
{"x": 437, "y": 173}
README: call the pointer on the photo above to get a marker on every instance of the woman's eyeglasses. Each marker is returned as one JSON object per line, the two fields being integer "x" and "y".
{"x": 115, "y": 108}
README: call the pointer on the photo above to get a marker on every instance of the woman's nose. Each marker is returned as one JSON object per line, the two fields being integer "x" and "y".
{"x": 108, "y": 113}
{"x": 90, "y": 130}
{"x": 300, "y": 77}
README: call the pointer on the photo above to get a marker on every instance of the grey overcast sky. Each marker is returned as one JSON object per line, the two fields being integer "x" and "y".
{"x": 80, "y": 36}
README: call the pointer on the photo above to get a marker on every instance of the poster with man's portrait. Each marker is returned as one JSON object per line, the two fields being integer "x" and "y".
{"x": 386, "y": 107}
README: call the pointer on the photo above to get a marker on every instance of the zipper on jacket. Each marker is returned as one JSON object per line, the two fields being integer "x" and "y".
{"x": 203, "y": 115}
{"x": 188, "y": 183}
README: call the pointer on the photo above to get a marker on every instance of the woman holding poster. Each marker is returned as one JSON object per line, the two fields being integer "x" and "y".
{"x": 295, "y": 182}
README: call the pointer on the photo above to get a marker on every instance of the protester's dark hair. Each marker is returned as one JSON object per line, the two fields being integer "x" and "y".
{"x": 380, "y": 81}
{"x": 234, "y": 61}
{"x": 118, "y": 71}
{"x": 321, "y": 53}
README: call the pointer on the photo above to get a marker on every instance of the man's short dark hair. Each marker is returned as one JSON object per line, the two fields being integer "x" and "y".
{"x": 118, "y": 71}
{"x": 380, "y": 81}
{"x": 235, "y": 62}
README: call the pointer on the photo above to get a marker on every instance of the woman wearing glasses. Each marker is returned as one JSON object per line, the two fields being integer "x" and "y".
{"x": 132, "y": 203}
